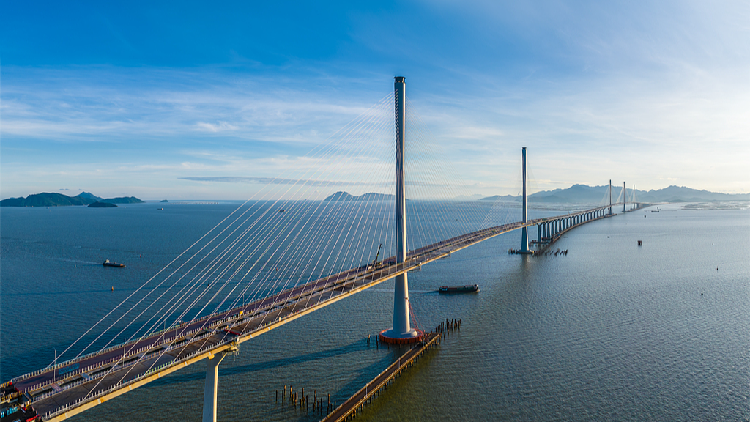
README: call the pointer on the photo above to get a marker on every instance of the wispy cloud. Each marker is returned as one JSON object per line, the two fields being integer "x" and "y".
{"x": 218, "y": 127}
{"x": 84, "y": 105}
{"x": 306, "y": 182}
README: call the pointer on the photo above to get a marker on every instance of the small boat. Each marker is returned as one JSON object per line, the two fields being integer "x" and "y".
{"x": 160, "y": 209}
{"x": 474, "y": 288}
{"x": 106, "y": 263}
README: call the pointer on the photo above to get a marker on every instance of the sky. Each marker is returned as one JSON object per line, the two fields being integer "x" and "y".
{"x": 157, "y": 99}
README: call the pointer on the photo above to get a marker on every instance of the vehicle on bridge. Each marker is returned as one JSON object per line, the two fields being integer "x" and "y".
{"x": 15, "y": 406}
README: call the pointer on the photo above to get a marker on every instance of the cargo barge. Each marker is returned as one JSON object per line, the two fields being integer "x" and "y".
{"x": 474, "y": 288}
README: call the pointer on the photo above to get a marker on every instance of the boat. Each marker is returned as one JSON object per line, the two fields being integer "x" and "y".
{"x": 474, "y": 288}
{"x": 106, "y": 263}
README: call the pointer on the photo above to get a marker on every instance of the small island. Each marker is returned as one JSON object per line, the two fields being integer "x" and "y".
{"x": 60, "y": 200}
{"x": 98, "y": 204}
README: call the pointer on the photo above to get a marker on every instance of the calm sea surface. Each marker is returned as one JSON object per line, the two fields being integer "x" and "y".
{"x": 611, "y": 331}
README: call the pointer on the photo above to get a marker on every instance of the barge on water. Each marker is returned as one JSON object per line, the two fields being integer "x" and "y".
{"x": 473, "y": 288}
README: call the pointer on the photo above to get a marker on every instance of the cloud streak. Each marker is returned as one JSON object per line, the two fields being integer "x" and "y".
{"x": 277, "y": 181}
{"x": 305, "y": 182}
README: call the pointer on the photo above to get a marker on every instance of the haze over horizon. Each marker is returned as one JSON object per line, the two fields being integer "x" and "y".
{"x": 162, "y": 101}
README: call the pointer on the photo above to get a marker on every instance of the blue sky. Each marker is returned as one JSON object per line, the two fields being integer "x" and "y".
{"x": 132, "y": 98}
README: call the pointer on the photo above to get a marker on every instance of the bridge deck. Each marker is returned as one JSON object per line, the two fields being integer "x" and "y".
{"x": 85, "y": 382}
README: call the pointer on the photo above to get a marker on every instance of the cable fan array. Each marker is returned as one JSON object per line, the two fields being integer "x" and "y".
{"x": 302, "y": 228}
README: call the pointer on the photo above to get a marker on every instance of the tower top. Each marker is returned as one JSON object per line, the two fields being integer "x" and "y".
{"x": 399, "y": 78}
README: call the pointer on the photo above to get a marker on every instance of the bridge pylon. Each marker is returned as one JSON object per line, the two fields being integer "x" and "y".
{"x": 524, "y": 230}
{"x": 401, "y": 332}
{"x": 610, "y": 197}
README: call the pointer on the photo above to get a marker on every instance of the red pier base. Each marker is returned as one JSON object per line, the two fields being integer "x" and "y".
{"x": 406, "y": 340}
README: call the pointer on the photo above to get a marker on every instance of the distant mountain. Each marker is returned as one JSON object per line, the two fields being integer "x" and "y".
{"x": 579, "y": 194}
{"x": 344, "y": 196}
{"x": 506, "y": 198}
{"x": 60, "y": 200}
{"x": 86, "y": 195}
{"x": 583, "y": 194}
{"x": 684, "y": 194}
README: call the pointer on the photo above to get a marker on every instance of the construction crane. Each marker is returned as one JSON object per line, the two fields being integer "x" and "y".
{"x": 375, "y": 262}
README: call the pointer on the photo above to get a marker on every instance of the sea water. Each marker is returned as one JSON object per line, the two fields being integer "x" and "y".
{"x": 610, "y": 331}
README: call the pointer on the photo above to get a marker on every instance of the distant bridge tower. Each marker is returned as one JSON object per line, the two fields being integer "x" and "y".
{"x": 610, "y": 196}
{"x": 624, "y": 197}
{"x": 401, "y": 332}
{"x": 524, "y": 231}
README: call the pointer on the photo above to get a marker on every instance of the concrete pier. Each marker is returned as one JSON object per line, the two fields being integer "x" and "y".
{"x": 212, "y": 386}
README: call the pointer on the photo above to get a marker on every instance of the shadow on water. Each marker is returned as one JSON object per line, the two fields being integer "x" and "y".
{"x": 367, "y": 374}
{"x": 354, "y": 347}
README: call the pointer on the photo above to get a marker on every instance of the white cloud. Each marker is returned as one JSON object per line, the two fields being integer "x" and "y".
{"x": 219, "y": 127}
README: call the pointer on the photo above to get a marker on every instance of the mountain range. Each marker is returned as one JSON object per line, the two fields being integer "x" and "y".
{"x": 60, "y": 200}
{"x": 580, "y": 194}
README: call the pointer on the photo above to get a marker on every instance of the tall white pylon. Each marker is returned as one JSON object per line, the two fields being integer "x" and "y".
{"x": 401, "y": 331}
{"x": 524, "y": 231}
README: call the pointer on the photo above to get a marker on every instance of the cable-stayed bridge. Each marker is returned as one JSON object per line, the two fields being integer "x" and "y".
{"x": 280, "y": 257}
